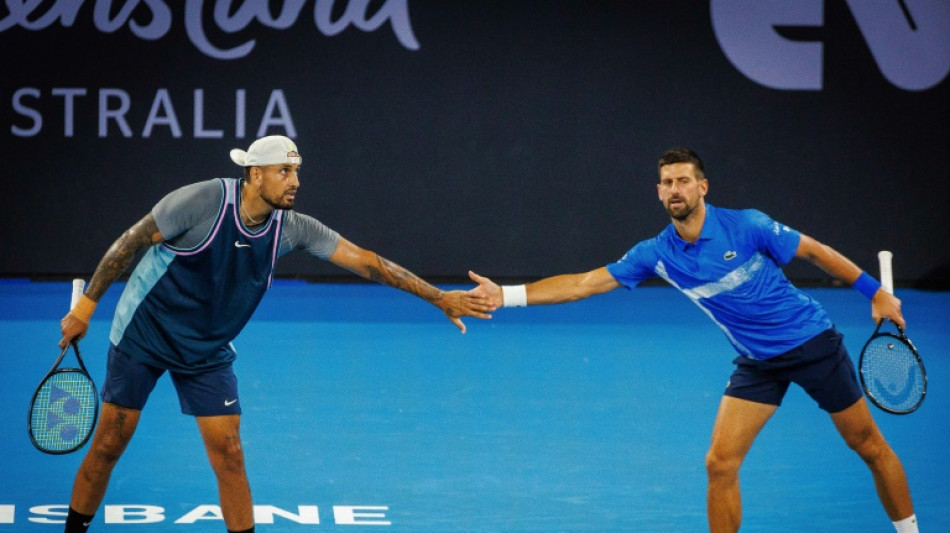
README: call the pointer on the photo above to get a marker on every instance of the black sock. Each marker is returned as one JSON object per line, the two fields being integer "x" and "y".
{"x": 243, "y": 530}
{"x": 77, "y": 522}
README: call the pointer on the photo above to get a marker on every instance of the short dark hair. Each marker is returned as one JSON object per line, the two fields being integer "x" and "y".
{"x": 681, "y": 155}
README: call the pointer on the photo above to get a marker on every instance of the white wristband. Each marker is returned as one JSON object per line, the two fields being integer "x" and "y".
{"x": 514, "y": 296}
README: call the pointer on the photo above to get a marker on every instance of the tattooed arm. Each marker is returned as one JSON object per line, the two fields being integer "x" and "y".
{"x": 454, "y": 304}
{"x": 117, "y": 258}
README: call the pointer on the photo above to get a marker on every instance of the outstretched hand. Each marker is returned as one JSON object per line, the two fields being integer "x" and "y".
{"x": 488, "y": 290}
{"x": 456, "y": 304}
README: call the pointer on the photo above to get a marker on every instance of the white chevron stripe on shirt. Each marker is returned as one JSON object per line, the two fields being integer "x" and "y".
{"x": 728, "y": 282}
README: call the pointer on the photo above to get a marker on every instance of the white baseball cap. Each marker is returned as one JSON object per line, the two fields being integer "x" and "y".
{"x": 270, "y": 150}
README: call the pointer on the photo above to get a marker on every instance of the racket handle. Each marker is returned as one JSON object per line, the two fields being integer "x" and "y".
{"x": 78, "y": 286}
{"x": 884, "y": 258}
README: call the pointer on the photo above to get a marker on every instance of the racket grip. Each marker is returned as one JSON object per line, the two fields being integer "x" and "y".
{"x": 884, "y": 258}
{"x": 78, "y": 286}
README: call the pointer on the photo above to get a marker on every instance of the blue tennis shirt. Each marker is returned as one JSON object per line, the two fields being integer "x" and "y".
{"x": 182, "y": 307}
{"x": 734, "y": 274}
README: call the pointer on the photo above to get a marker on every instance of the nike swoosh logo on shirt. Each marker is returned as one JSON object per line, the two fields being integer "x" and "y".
{"x": 239, "y": 244}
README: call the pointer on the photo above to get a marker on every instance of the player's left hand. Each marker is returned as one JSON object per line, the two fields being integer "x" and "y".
{"x": 886, "y": 305}
{"x": 456, "y": 304}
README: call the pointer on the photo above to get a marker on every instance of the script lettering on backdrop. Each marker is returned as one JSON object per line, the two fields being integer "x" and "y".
{"x": 356, "y": 13}
{"x": 229, "y": 16}
{"x": 910, "y": 41}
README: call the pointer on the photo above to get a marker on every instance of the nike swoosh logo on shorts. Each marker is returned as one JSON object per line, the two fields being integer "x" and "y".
{"x": 238, "y": 244}
{"x": 228, "y": 403}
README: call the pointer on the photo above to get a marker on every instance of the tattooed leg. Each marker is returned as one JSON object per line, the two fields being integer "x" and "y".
{"x": 116, "y": 426}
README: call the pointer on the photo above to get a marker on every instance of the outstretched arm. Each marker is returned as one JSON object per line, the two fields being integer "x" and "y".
{"x": 553, "y": 290}
{"x": 117, "y": 258}
{"x": 883, "y": 303}
{"x": 455, "y": 304}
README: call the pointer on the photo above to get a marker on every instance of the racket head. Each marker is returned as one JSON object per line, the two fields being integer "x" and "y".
{"x": 892, "y": 374}
{"x": 64, "y": 410}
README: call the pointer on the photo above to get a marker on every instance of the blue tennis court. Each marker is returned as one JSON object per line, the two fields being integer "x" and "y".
{"x": 366, "y": 410}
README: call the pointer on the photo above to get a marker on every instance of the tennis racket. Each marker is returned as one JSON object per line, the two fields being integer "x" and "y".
{"x": 892, "y": 374}
{"x": 65, "y": 406}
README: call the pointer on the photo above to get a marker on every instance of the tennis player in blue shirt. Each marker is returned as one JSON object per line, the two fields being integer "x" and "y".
{"x": 728, "y": 262}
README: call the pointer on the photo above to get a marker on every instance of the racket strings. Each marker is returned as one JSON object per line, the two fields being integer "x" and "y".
{"x": 64, "y": 411}
{"x": 891, "y": 374}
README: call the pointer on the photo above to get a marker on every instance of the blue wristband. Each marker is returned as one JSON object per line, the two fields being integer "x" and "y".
{"x": 866, "y": 285}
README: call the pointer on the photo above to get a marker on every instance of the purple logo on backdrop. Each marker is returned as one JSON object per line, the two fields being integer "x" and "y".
{"x": 910, "y": 41}
{"x": 111, "y": 15}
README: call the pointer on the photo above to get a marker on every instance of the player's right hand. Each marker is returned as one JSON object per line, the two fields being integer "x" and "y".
{"x": 72, "y": 328}
{"x": 488, "y": 290}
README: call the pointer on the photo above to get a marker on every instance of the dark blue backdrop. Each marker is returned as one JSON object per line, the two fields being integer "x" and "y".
{"x": 514, "y": 138}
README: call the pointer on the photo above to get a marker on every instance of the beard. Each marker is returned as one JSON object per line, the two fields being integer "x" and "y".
{"x": 279, "y": 202}
{"x": 681, "y": 212}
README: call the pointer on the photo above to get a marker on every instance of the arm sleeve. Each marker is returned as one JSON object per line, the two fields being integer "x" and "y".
{"x": 303, "y": 232}
{"x": 634, "y": 267}
{"x": 184, "y": 212}
{"x": 774, "y": 238}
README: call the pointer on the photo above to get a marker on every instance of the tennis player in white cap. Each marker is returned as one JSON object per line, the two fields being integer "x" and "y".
{"x": 209, "y": 254}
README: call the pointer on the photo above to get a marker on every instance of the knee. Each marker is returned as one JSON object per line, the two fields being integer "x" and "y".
{"x": 108, "y": 446}
{"x": 227, "y": 455}
{"x": 869, "y": 445}
{"x": 720, "y": 466}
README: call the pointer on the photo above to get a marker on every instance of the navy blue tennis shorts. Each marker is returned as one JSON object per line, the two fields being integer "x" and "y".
{"x": 821, "y": 367}
{"x": 129, "y": 382}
